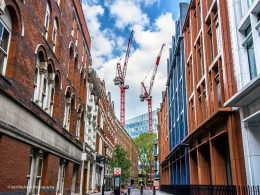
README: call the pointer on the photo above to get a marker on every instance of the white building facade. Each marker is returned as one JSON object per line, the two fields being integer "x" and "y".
{"x": 244, "y": 19}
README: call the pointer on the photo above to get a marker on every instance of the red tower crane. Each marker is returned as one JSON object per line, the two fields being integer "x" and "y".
{"x": 120, "y": 80}
{"x": 147, "y": 95}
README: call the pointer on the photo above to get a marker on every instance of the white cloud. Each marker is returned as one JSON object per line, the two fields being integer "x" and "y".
{"x": 127, "y": 12}
{"x": 140, "y": 62}
{"x": 102, "y": 42}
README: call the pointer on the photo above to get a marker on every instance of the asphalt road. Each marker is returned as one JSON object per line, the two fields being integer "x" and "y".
{"x": 137, "y": 192}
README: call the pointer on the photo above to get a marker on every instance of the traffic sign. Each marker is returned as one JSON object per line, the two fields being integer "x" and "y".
{"x": 117, "y": 171}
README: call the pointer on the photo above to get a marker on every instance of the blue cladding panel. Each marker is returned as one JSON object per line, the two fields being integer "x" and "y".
{"x": 178, "y": 124}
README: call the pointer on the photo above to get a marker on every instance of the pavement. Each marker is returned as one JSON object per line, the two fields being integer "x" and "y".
{"x": 136, "y": 192}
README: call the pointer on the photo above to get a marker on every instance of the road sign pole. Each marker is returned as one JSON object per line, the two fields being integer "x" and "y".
{"x": 117, "y": 181}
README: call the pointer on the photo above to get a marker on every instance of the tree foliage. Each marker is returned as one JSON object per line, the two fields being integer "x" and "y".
{"x": 145, "y": 145}
{"x": 119, "y": 159}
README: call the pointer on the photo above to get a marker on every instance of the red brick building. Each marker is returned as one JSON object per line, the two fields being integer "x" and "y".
{"x": 124, "y": 139}
{"x": 214, "y": 132}
{"x": 44, "y": 59}
{"x": 163, "y": 140}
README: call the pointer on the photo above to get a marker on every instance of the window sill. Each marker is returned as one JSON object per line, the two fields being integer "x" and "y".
{"x": 257, "y": 27}
{"x": 3, "y": 77}
{"x": 50, "y": 49}
{"x": 43, "y": 111}
{"x": 247, "y": 39}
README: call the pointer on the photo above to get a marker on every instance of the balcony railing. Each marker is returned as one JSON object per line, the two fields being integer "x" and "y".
{"x": 155, "y": 141}
{"x": 155, "y": 152}
{"x": 210, "y": 189}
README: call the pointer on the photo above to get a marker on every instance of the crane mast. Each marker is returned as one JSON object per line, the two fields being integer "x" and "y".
{"x": 120, "y": 80}
{"x": 147, "y": 95}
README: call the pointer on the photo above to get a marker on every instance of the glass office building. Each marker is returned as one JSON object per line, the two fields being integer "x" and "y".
{"x": 140, "y": 124}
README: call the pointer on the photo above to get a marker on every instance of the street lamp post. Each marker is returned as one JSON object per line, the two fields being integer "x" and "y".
{"x": 103, "y": 187}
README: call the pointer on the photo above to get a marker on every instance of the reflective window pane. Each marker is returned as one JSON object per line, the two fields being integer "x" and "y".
{"x": 5, "y": 40}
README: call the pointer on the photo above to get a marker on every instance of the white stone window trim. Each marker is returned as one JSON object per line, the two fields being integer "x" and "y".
{"x": 54, "y": 34}
{"x": 58, "y": 2}
{"x": 52, "y": 94}
{"x": 44, "y": 93}
{"x": 9, "y": 30}
{"x": 47, "y": 20}
{"x": 78, "y": 125}
{"x": 66, "y": 122}
{"x": 30, "y": 176}
{"x": 61, "y": 177}
{"x": 36, "y": 87}
{"x": 32, "y": 186}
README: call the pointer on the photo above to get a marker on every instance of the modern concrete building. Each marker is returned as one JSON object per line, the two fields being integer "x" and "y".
{"x": 163, "y": 140}
{"x": 244, "y": 19}
{"x": 214, "y": 131}
{"x": 178, "y": 156}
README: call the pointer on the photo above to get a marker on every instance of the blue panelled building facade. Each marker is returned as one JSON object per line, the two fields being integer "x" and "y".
{"x": 178, "y": 125}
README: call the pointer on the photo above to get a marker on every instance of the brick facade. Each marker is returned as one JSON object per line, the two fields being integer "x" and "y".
{"x": 124, "y": 139}
{"x": 13, "y": 171}
{"x": 163, "y": 140}
{"x": 28, "y": 121}
{"x": 214, "y": 133}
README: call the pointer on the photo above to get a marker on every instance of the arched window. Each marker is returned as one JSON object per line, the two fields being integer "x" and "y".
{"x": 72, "y": 115}
{"x": 39, "y": 69}
{"x": 47, "y": 20}
{"x": 55, "y": 96}
{"x": 54, "y": 34}
{"x": 79, "y": 113}
{"x": 5, "y": 37}
{"x": 71, "y": 64}
{"x": 73, "y": 26}
{"x": 50, "y": 91}
{"x": 66, "y": 122}
{"x": 81, "y": 88}
{"x": 76, "y": 71}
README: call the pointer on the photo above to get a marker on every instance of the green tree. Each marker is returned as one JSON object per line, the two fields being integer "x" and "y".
{"x": 145, "y": 145}
{"x": 119, "y": 159}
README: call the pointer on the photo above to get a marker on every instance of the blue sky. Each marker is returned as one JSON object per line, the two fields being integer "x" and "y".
{"x": 110, "y": 23}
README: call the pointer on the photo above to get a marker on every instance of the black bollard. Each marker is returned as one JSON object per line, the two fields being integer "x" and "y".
{"x": 141, "y": 189}
{"x": 154, "y": 190}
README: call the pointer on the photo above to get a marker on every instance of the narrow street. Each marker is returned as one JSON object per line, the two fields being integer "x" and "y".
{"x": 137, "y": 192}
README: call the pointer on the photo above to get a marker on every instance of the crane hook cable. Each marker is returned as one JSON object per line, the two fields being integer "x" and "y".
{"x": 150, "y": 69}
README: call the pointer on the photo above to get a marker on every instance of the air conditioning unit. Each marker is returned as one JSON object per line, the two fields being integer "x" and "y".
{"x": 2, "y": 7}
